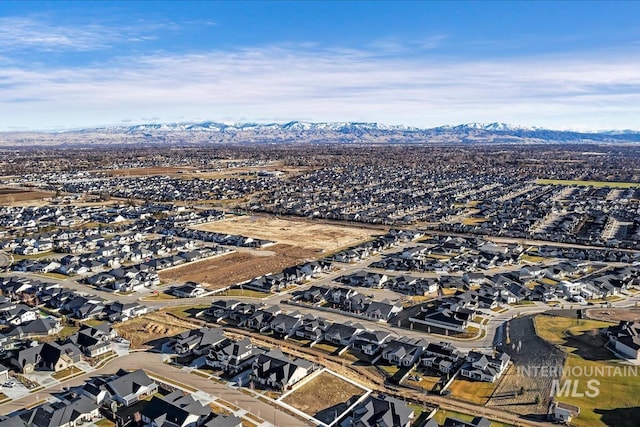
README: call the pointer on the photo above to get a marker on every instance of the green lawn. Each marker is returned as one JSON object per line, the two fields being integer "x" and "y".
{"x": 67, "y": 331}
{"x": 532, "y": 258}
{"x": 420, "y": 414}
{"x": 426, "y": 381}
{"x": 477, "y": 392}
{"x": 326, "y": 347}
{"x": 388, "y": 369}
{"x": 618, "y": 394}
{"x": 158, "y": 296}
{"x": 588, "y": 183}
{"x": 473, "y": 221}
{"x": 70, "y": 371}
{"x": 17, "y": 257}
{"x": 245, "y": 293}
{"x": 92, "y": 322}
{"x": 555, "y": 329}
{"x": 587, "y": 359}
{"x": 523, "y": 302}
{"x": 187, "y": 311}
{"x": 299, "y": 341}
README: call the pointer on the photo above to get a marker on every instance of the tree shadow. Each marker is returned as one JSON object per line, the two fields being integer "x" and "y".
{"x": 620, "y": 417}
{"x": 589, "y": 346}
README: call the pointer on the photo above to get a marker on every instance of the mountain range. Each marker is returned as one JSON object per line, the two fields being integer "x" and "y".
{"x": 307, "y": 132}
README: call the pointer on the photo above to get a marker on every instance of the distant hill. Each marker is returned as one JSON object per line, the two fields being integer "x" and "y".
{"x": 315, "y": 133}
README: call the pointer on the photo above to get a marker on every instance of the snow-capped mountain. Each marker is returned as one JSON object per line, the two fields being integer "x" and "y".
{"x": 309, "y": 132}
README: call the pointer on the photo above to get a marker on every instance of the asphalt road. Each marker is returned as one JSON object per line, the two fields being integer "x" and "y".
{"x": 152, "y": 362}
{"x": 5, "y": 259}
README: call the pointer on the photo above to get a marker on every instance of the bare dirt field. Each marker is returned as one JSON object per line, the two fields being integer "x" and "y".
{"x": 300, "y": 233}
{"x": 324, "y": 397}
{"x": 143, "y": 331}
{"x": 148, "y": 171}
{"x": 614, "y": 314}
{"x": 10, "y": 195}
{"x": 236, "y": 267}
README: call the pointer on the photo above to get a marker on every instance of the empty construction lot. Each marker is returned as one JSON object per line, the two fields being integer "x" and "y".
{"x": 300, "y": 233}
{"x": 12, "y": 195}
{"x": 297, "y": 241}
{"x": 236, "y": 267}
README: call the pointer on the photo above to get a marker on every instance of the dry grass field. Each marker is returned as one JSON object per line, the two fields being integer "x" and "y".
{"x": 237, "y": 267}
{"x": 153, "y": 326}
{"x": 12, "y": 195}
{"x": 617, "y": 403}
{"x": 477, "y": 392}
{"x": 304, "y": 234}
{"x": 149, "y": 171}
{"x": 321, "y": 394}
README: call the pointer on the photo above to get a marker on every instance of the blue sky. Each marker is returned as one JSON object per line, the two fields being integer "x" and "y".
{"x": 565, "y": 65}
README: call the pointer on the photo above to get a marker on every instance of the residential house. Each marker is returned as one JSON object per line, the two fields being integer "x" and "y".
{"x": 176, "y": 409}
{"x": 261, "y": 319}
{"x": 382, "y": 410}
{"x": 342, "y": 333}
{"x": 18, "y": 315}
{"x": 382, "y": 310}
{"x": 442, "y": 357}
{"x": 63, "y": 413}
{"x": 624, "y": 339}
{"x": 189, "y": 290}
{"x": 47, "y": 357}
{"x": 286, "y": 324}
{"x": 126, "y": 388}
{"x": 312, "y": 328}
{"x": 485, "y": 367}
{"x": 198, "y": 341}
{"x": 94, "y": 340}
{"x": 221, "y": 309}
{"x": 370, "y": 342}
{"x": 40, "y": 327}
{"x": 275, "y": 370}
{"x": 234, "y": 356}
{"x": 403, "y": 351}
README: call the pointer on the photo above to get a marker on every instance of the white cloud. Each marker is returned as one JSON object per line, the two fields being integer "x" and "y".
{"x": 21, "y": 33}
{"x": 327, "y": 85}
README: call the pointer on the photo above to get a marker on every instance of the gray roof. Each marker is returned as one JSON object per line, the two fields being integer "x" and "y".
{"x": 381, "y": 411}
{"x": 59, "y": 413}
{"x": 129, "y": 383}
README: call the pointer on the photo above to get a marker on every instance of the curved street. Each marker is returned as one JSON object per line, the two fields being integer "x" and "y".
{"x": 153, "y": 363}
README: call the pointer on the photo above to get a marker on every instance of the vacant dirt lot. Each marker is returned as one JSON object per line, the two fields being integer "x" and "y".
{"x": 143, "y": 331}
{"x": 11, "y": 195}
{"x": 526, "y": 349}
{"x": 292, "y": 232}
{"x": 324, "y": 397}
{"x": 614, "y": 314}
{"x": 236, "y": 267}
